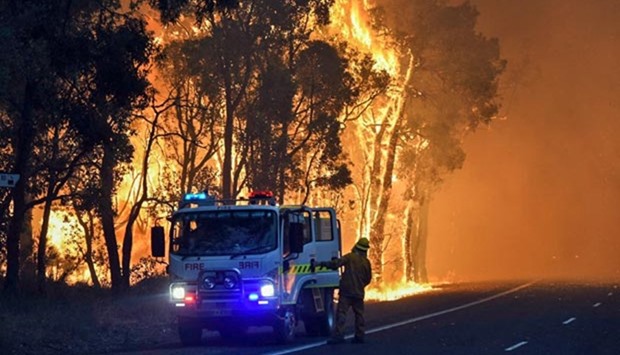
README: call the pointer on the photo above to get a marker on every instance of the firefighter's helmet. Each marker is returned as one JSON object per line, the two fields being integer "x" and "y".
{"x": 362, "y": 244}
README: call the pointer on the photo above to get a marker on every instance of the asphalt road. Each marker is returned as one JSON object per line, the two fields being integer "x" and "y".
{"x": 524, "y": 317}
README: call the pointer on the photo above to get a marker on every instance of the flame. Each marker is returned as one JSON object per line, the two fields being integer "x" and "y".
{"x": 395, "y": 291}
{"x": 62, "y": 231}
{"x": 350, "y": 19}
{"x": 357, "y": 31}
{"x": 61, "y": 225}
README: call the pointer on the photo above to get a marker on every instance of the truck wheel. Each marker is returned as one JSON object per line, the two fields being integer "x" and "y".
{"x": 326, "y": 320}
{"x": 190, "y": 332}
{"x": 321, "y": 324}
{"x": 285, "y": 327}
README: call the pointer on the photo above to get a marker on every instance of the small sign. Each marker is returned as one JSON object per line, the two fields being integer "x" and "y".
{"x": 8, "y": 180}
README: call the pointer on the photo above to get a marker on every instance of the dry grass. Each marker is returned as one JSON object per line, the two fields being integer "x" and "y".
{"x": 79, "y": 320}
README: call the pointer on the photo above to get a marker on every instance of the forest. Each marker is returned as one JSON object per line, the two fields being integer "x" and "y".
{"x": 110, "y": 110}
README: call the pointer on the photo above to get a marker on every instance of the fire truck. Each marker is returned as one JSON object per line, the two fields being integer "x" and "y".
{"x": 248, "y": 262}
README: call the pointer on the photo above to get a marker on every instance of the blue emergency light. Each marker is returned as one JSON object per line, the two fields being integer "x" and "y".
{"x": 199, "y": 198}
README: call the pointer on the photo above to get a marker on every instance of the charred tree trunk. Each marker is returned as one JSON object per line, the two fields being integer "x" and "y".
{"x": 42, "y": 249}
{"x": 107, "y": 215}
{"x": 422, "y": 237}
{"x": 135, "y": 209}
{"x": 28, "y": 267}
{"x": 228, "y": 138}
{"x": 89, "y": 235}
{"x": 127, "y": 248}
{"x": 233, "y": 99}
{"x": 88, "y": 257}
{"x": 47, "y": 210}
{"x": 23, "y": 152}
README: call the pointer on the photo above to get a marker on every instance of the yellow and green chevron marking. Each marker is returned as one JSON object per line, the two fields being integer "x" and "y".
{"x": 305, "y": 269}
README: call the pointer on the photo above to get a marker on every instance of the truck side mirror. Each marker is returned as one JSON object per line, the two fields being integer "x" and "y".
{"x": 158, "y": 242}
{"x": 296, "y": 235}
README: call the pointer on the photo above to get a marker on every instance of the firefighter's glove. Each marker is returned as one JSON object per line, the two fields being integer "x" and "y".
{"x": 323, "y": 264}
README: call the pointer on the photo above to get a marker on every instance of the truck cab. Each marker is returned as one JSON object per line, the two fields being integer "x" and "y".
{"x": 249, "y": 262}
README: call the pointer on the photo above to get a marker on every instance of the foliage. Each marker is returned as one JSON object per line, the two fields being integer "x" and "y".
{"x": 454, "y": 86}
{"x": 147, "y": 268}
{"x": 453, "y": 91}
{"x": 252, "y": 76}
{"x": 76, "y": 71}
{"x": 252, "y": 97}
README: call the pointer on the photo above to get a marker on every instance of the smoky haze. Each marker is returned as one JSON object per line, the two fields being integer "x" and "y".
{"x": 539, "y": 194}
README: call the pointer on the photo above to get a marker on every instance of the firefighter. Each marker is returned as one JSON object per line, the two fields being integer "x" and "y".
{"x": 356, "y": 276}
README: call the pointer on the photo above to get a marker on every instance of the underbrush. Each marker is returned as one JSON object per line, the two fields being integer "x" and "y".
{"x": 81, "y": 320}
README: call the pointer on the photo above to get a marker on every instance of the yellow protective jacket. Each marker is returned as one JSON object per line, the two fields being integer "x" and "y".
{"x": 356, "y": 276}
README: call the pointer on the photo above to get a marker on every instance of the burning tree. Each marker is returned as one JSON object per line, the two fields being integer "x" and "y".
{"x": 342, "y": 100}
{"x": 267, "y": 97}
{"x": 444, "y": 84}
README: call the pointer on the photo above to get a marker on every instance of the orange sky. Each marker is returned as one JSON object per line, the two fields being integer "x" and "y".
{"x": 539, "y": 194}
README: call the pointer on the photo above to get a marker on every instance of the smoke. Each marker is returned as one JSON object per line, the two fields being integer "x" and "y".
{"x": 539, "y": 194}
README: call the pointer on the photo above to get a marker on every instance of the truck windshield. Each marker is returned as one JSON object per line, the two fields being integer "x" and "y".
{"x": 224, "y": 233}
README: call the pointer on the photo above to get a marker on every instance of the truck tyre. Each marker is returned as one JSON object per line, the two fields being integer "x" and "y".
{"x": 190, "y": 332}
{"x": 326, "y": 319}
{"x": 284, "y": 328}
{"x": 321, "y": 324}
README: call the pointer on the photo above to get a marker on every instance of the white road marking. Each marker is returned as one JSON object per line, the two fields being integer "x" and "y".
{"x": 609, "y": 294}
{"x": 517, "y": 345}
{"x": 569, "y": 320}
{"x": 409, "y": 321}
{"x": 596, "y": 304}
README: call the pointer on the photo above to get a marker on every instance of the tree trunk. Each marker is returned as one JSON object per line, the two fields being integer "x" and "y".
{"x": 42, "y": 249}
{"x": 420, "y": 254}
{"x": 408, "y": 239}
{"x": 28, "y": 267}
{"x": 47, "y": 209}
{"x": 377, "y": 231}
{"x": 23, "y": 152}
{"x": 135, "y": 209}
{"x": 374, "y": 190}
{"x": 89, "y": 234}
{"x": 127, "y": 247}
{"x": 228, "y": 139}
{"x": 107, "y": 216}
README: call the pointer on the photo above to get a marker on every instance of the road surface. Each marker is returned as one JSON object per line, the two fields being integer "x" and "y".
{"x": 527, "y": 317}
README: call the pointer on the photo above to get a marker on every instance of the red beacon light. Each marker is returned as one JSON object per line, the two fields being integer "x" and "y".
{"x": 262, "y": 197}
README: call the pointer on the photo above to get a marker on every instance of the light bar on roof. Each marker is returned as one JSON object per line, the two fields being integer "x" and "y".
{"x": 198, "y": 198}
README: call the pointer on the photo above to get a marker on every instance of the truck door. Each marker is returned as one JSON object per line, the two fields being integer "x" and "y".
{"x": 296, "y": 265}
{"x": 327, "y": 234}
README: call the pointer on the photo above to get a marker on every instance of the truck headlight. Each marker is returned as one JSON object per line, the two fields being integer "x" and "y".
{"x": 208, "y": 282}
{"x": 178, "y": 292}
{"x": 267, "y": 290}
{"x": 229, "y": 282}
